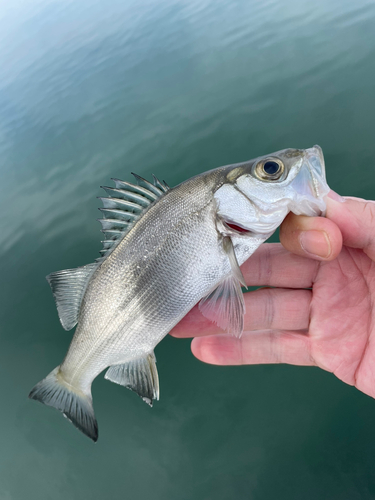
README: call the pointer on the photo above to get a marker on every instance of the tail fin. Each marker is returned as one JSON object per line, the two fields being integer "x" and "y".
{"x": 73, "y": 403}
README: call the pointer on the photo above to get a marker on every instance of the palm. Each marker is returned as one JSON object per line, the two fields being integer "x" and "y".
{"x": 342, "y": 320}
{"x": 316, "y": 313}
{"x": 312, "y": 312}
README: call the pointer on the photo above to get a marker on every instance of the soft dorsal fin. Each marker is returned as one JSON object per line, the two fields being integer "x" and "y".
{"x": 125, "y": 205}
{"x": 139, "y": 375}
{"x": 68, "y": 288}
{"x": 225, "y": 306}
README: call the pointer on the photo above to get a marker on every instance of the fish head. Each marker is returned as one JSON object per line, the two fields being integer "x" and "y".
{"x": 257, "y": 195}
{"x": 300, "y": 178}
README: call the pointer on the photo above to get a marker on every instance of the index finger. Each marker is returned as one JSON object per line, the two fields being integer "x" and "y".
{"x": 272, "y": 265}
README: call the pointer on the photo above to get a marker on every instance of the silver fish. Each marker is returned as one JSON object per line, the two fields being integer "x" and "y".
{"x": 165, "y": 250}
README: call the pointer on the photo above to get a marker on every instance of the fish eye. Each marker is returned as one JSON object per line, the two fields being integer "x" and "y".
{"x": 269, "y": 169}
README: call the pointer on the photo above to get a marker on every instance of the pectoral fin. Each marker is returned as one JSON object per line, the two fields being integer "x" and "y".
{"x": 139, "y": 375}
{"x": 229, "y": 250}
{"x": 225, "y": 306}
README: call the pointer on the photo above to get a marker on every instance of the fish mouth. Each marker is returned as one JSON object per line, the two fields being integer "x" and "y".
{"x": 316, "y": 165}
{"x": 310, "y": 185}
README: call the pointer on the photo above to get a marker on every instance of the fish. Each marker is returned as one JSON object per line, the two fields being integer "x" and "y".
{"x": 166, "y": 250}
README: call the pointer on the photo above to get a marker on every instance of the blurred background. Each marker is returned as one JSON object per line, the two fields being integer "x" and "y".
{"x": 96, "y": 89}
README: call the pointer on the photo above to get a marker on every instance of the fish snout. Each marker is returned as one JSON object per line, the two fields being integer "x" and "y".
{"x": 310, "y": 185}
{"x": 315, "y": 159}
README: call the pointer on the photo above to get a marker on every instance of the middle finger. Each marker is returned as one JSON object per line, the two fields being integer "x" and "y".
{"x": 266, "y": 308}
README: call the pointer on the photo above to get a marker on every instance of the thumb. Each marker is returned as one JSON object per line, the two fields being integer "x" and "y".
{"x": 355, "y": 218}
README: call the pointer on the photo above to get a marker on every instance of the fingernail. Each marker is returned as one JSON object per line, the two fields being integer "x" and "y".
{"x": 316, "y": 243}
{"x": 334, "y": 196}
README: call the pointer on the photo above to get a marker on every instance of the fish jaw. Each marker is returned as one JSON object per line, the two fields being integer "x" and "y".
{"x": 309, "y": 188}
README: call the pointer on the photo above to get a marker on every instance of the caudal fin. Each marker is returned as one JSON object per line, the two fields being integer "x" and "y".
{"x": 75, "y": 405}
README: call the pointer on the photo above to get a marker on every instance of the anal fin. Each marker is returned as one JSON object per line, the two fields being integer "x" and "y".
{"x": 139, "y": 375}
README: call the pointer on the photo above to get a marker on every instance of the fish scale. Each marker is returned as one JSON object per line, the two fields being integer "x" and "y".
{"x": 166, "y": 250}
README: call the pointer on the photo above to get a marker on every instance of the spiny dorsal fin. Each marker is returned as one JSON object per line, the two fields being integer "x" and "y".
{"x": 125, "y": 205}
{"x": 68, "y": 288}
{"x": 136, "y": 200}
{"x": 163, "y": 186}
{"x": 152, "y": 187}
{"x": 139, "y": 375}
{"x": 135, "y": 189}
{"x": 131, "y": 208}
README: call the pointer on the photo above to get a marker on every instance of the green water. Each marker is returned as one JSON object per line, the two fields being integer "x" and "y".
{"x": 93, "y": 90}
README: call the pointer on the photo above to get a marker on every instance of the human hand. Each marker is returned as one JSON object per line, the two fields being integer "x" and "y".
{"x": 321, "y": 310}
